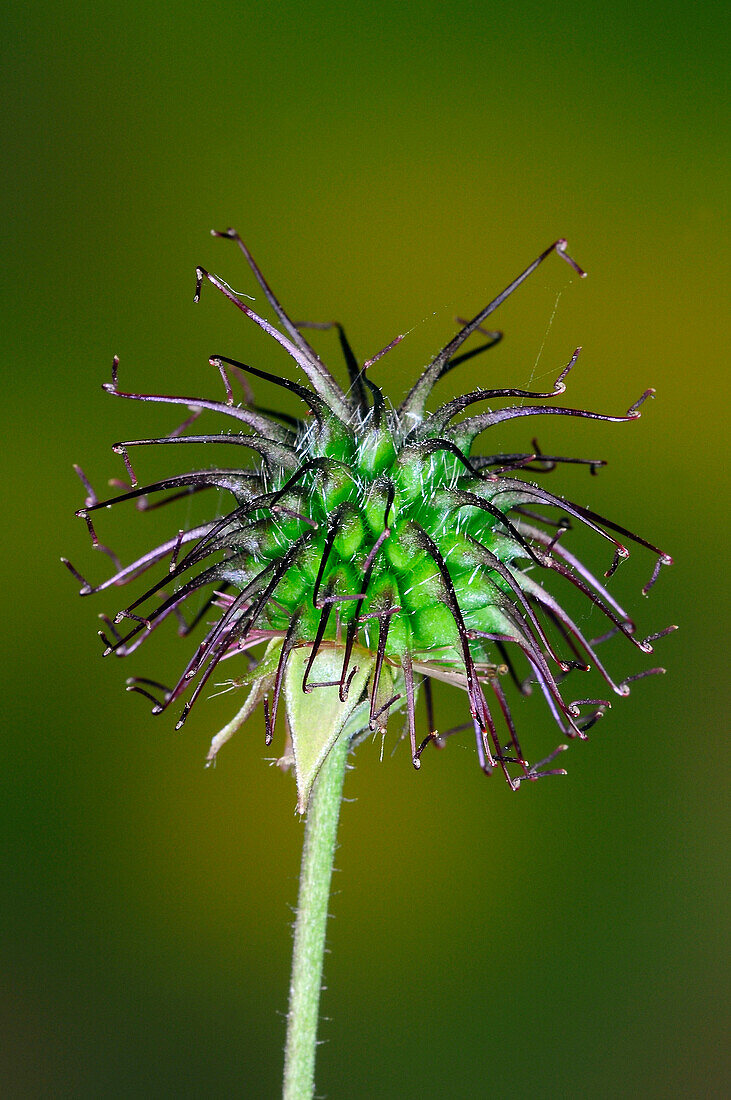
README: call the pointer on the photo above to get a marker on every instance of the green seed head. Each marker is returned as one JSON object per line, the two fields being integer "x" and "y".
{"x": 371, "y": 541}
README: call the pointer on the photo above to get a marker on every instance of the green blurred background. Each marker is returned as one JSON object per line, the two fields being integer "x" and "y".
{"x": 390, "y": 165}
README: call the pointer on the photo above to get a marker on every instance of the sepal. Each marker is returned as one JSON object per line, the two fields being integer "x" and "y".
{"x": 317, "y": 717}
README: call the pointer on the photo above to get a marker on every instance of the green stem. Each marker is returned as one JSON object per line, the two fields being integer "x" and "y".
{"x": 321, "y": 828}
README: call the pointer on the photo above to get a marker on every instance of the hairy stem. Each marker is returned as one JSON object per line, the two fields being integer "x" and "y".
{"x": 310, "y": 927}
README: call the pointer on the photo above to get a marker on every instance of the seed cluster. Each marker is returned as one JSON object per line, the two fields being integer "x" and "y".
{"x": 365, "y": 525}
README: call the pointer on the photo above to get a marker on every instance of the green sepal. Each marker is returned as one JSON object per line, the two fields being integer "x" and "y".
{"x": 350, "y": 536}
{"x": 317, "y": 718}
{"x": 434, "y": 627}
{"x": 376, "y": 452}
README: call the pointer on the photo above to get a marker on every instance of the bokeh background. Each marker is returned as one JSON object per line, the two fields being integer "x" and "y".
{"x": 392, "y": 166}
